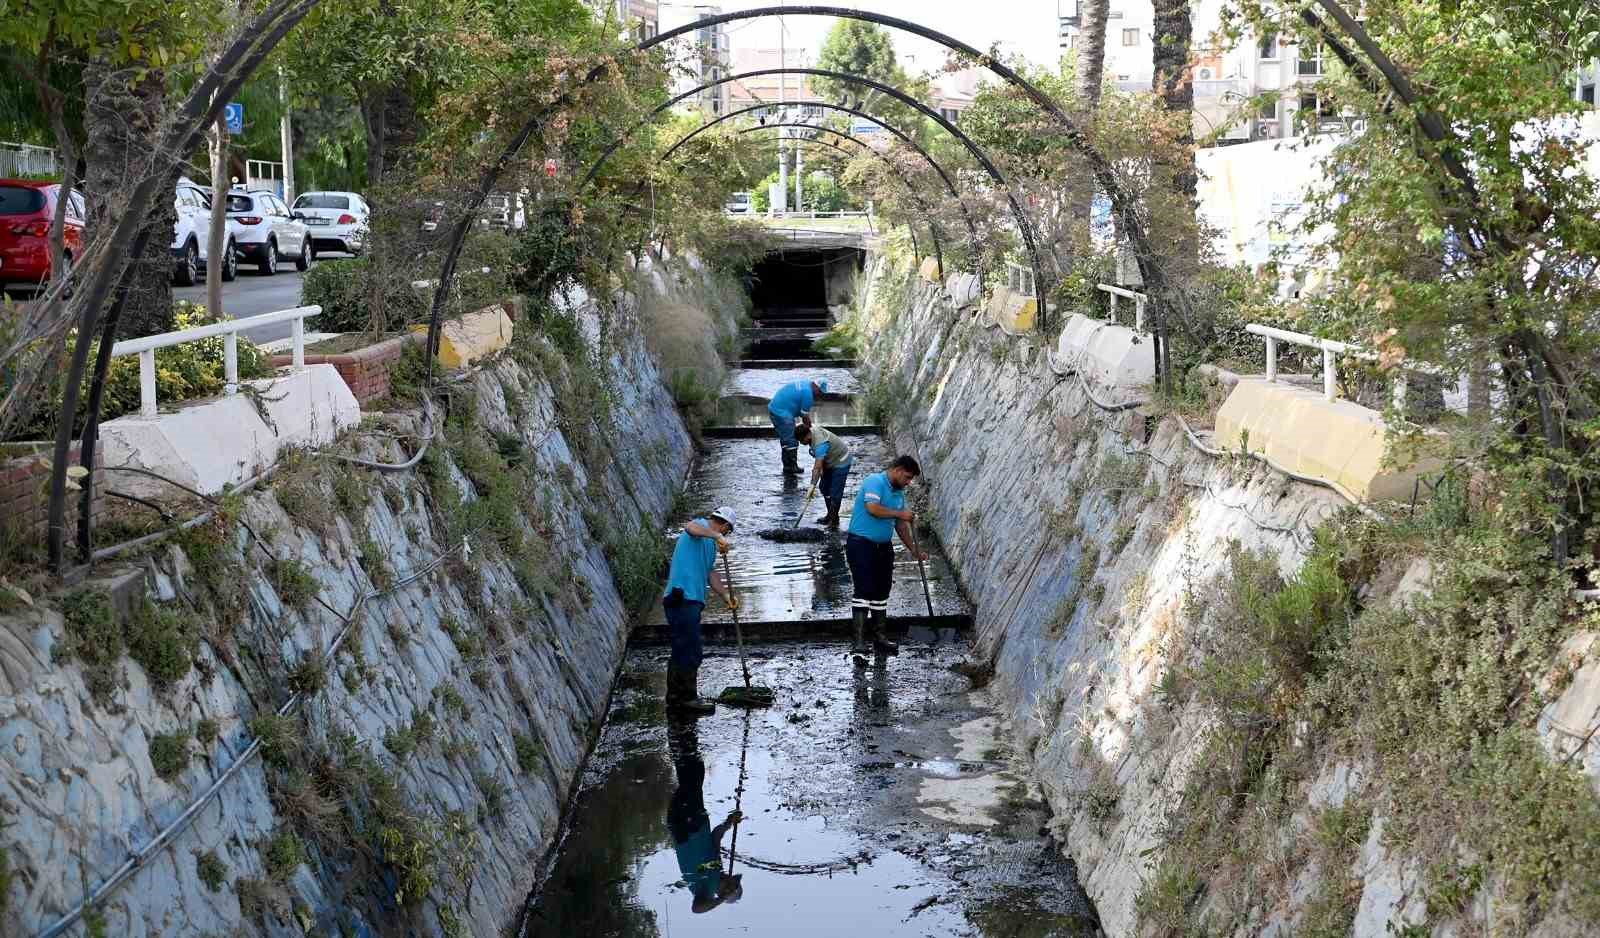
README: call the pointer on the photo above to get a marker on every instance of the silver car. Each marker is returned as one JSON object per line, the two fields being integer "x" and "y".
{"x": 337, "y": 220}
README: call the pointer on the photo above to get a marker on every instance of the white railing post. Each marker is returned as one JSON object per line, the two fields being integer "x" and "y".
{"x": 1272, "y": 358}
{"x": 1111, "y": 315}
{"x": 147, "y": 383}
{"x": 297, "y": 332}
{"x": 230, "y": 363}
{"x": 1328, "y": 362}
{"x": 1138, "y": 314}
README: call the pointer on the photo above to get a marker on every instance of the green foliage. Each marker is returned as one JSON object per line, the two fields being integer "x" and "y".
{"x": 211, "y": 870}
{"x": 293, "y": 581}
{"x": 280, "y": 739}
{"x": 163, "y": 639}
{"x": 310, "y": 676}
{"x": 529, "y": 751}
{"x": 207, "y": 731}
{"x": 856, "y": 47}
{"x": 94, "y": 639}
{"x": 284, "y": 854}
{"x": 494, "y": 795}
{"x": 638, "y": 564}
{"x": 356, "y": 296}
{"x": 170, "y": 754}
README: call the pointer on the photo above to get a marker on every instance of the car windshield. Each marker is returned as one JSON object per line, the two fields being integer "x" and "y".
{"x": 241, "y": 203}
{"x": 20, "y": 200}
{"x": 322, "y": 200}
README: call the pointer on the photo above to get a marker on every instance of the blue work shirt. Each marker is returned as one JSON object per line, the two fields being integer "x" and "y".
{"x": 876, "y": 490}
{"x": 699, "y": 862}
{"x": 692, "y": 560}
{"x": 792, "y": 400}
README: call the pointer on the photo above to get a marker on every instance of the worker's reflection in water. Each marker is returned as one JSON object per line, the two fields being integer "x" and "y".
{"x": 871, "y": 687}
{"x": 697, "y": 843}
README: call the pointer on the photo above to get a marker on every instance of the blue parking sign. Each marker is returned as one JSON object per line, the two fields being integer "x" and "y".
{"x": 233, "y": 116}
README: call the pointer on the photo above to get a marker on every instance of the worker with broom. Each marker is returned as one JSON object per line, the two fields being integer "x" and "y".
{"x": 880, "y": 512}
{"x": 793, "y": 402}
{"x": 829, "y": 471}
{"x": 693, "y": 567}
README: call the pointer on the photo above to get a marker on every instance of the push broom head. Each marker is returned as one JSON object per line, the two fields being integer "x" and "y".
{"x": 753, "y": 695}
{"x": 793, "y": 535}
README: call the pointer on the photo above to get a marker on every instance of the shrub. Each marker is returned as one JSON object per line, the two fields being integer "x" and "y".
{"x": 163, "y": 639}
{"x": 169, "y": 754}
{"x": 528, "y": 751}
{"x": 284, "y": 854}
{"x": 211, "y": 870}
{"x": 638, "y": 561}
{"x": 357, "y": 296}
{"x": 293, "y": 581}
{"x": 280, "y": 739}
{"x": 93, "y": 638}
{"x": 207, "y": 731}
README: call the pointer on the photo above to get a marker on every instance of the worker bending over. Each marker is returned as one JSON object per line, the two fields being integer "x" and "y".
{"x": 694, "y": 565}
{"x": 831, "y": 468}
{"x": 880, "y": 511}
{"x": 793, "y": 401}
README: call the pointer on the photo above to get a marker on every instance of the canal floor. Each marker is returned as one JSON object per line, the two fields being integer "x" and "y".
{"x": 879, "y": 801}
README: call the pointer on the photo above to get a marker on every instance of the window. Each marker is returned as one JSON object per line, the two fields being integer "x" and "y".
{"x": 1269, "y": 47}
{"x": 241, "y": 203}
{"x": 950, "y": 114}
{"x": 1310, "y": 64}
{"x": 1318, "y": 111}
{"x": 322, "y": 200}
{"x": 20, "y": 200}
{"x": 1130, "y": 37}
{"x": 1587, "y": 95}
{"x": 76, "y": 207}
{"x": 1269, "y": 109}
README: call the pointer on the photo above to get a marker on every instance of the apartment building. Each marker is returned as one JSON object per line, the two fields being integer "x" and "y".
{"x": 704, "y": 60}
{"x": 641, "y": 18}
{"x": 770, "y": 89}
{"x": 1253, "y": 90}
{"x": 1587, "y": 85}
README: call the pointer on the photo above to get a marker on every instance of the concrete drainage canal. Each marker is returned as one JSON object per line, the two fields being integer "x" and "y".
{"x": 882, "y": 800}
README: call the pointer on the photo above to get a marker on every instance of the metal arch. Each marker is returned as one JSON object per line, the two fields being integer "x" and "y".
{"x": 1125, "y": 208}
{"x": 977, "y": 152}
{"x": 972, "y": 229}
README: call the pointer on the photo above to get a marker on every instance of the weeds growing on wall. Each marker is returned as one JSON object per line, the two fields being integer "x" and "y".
{"x": 1433, "y": 698}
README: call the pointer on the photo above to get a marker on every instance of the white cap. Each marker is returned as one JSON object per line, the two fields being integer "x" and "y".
{"x": 726, "y": 514}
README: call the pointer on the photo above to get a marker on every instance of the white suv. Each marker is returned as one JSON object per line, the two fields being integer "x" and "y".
{"x": 337, "y": 220}
{"x": 267, "y": 232}
{"x": 191, "y": 235}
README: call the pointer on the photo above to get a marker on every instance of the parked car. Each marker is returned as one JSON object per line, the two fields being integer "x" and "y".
{"x": 268, "y": 232}
{"x": 27, "y": 210}
{"x": 504, "y": 210}
{"x": 337, "y": 220}
{"x": 230, "y": 256}
{"x": 738, "y": 204}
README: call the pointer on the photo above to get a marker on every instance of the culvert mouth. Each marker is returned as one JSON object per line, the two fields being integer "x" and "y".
{"x": 882, "y": 798}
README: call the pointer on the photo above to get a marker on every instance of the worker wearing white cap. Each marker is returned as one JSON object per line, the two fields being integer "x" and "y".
{"x": 694, "y": 565}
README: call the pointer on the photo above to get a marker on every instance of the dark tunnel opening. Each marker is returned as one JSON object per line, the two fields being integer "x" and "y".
{"x": 796, "y": 287}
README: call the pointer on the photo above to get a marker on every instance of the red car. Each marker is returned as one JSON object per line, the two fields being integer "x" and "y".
{"x": 27, "y": 208}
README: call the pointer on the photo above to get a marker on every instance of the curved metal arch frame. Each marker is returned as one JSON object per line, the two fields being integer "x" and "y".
{"x": 1024, "y": 223}
{"x": 902, "y": 136}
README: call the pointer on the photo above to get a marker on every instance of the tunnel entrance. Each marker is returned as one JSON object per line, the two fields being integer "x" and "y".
{"x": 791, "y": 291}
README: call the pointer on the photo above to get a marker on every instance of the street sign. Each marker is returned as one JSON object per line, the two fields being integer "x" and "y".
{"x": 861, "y": 126}
{"x": 233, "y": 116}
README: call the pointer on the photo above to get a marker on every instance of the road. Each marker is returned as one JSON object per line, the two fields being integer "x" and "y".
{"x": 251, "y": 295}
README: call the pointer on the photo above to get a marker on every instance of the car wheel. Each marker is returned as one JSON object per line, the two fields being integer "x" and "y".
{"x": 308, "y": 255}
{"x": 189, "y": 266}
{"x": 269, "y": 260}
{"x": 230, "y": 262}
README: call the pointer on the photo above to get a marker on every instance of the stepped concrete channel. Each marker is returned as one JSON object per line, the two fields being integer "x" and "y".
{"x": 884, "y": 800}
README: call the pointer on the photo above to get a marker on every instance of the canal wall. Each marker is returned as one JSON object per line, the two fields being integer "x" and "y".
{"x": 440, "y": 639}
{"x": 1102, "y": 544}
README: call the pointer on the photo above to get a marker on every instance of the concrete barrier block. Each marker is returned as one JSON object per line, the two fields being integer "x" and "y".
{"x": 223, "y": 441}
{"x": 929, "y": 269}
{"x": 1336, "y": 441}
{"x": 1107, "y": 353}
{"x": 1021, "y": 312}
{"x": 472, "y": 337}
{"x": 965, "y": 289}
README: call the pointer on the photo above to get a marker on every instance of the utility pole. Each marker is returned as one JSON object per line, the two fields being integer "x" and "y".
{"x": 780, "y": 204}
{"x": 286, "y": 140}
{"x": 799, "y": 174}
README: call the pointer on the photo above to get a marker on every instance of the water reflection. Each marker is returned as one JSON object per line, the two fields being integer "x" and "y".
{"x": 696, "y": 843}
{"x": 752, "y": 412}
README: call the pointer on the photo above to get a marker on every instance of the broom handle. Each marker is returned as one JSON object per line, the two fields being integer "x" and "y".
{"x": 921, "y": 571}
{"x": 806, "y": 507}
{"x": 738, "y": 633}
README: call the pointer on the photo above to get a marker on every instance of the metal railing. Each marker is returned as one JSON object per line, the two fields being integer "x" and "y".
{"x": 1330, "y": 351}
{"x": 25, "y": 159}
{"x": 146, "y": 347}
{"x": 1116, "y": 292}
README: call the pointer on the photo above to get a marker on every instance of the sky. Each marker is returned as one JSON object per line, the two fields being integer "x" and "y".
{"x": 1027, "y": 27}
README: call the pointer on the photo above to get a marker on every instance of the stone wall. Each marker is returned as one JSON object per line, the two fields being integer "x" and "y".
{"x": 365, "y": 370}
{"x": 1092, "y": 543}
{"x": 425, "y": 774}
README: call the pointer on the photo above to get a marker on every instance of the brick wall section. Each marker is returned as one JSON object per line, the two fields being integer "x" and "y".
{"x": 25, "y": 495}
{"x": 365, "y": 371}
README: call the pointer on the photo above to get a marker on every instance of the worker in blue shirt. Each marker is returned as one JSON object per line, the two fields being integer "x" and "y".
{"x": 830, "y": 469}
{"x": 880, "y": 512}
{"x": 793, "y": 402}
{"x": 694, "y": 564}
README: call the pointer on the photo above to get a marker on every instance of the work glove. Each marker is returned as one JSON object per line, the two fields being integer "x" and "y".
{"x": 723, "y": 544}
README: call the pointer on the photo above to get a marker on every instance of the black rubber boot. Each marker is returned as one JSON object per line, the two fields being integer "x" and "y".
{"x": 880, "y": 640}
{"x": 831, "y": 519}
{"x": 681, "y": 694}
{"x": 859, "y": 618}
{"x": 791, "y": 462}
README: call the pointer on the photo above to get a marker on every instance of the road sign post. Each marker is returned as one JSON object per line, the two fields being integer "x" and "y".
{"x": 233, "y": 116}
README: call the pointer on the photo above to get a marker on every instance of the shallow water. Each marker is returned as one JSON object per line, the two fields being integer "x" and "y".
{"x": 752, "y": 412}
{"x": 765, "y": 382}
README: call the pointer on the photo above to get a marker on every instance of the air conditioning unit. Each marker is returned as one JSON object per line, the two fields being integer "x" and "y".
{"x": 1265, "y": 130}
{"x": 1205, "y": 74}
